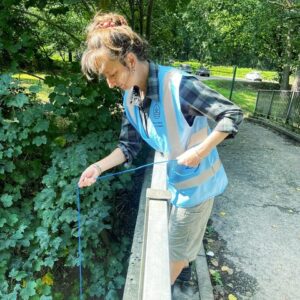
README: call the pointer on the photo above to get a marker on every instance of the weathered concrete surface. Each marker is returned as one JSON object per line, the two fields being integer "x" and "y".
{"x": 261, "y": 225}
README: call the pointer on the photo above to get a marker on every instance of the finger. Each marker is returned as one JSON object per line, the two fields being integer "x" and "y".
{"x": 82, "y": 182}
{"x": 83, "y": 175}
{"x": 89, "y": 181}
{"x": 180, "y": 161}
{"x": 79, "y": 183}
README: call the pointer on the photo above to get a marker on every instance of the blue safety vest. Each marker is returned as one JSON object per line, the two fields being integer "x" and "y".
{"x": 168, "y": 132}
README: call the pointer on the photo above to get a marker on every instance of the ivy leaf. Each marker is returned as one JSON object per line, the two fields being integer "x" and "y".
{"x": 60, "y": 141}
{"x": 2, "y": 222}
{"x": 29, "y": 290}
{"x": 17, "y": 275}
{"x": 49, "y": 262}
{"x": 6, "y": 200}
{"x": 111, "y": 295}
{"x": 119, "y": 281}
{"x": 56, "y": 242}
{"x": 9, "y": 166}
{"x": 46, "y": 298}
{"x": 42, "y": 125}
{"x": 43, "y": 236}
{"x": 24, "y": 134}
{"x": 9, "y": 152}
{"x": 12, "y": 219}
{"x": 47, "y": 279}
{"x": 18, "y": 101}
{"x": 61, "y": 100}
{"x": 60, "y": 88}
{"x": 68, "y": 215}
{"x": 37, "y": 265}
{"x": 4, "y": 83}
{"x": 39, "y": 140}
{"x": 35, "y": 89}
{"x": 76, "y": 91}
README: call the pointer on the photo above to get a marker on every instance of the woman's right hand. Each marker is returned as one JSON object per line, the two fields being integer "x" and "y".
{"x": 89, "y": 176}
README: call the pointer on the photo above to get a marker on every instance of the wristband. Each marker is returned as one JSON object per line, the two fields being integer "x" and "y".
{"x": 97, "y": 166}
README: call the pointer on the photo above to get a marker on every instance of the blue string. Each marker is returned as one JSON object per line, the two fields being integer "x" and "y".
{"x": 79, "y": 243}
{"x": 78, "y": 209}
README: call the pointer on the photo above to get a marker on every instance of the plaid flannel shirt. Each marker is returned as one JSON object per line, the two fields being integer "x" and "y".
{"x": 196, "y": 99}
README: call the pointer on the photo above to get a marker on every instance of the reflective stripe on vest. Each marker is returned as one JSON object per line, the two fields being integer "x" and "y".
{"x": 172, "y": 128}
{"x": 200, "y": 178}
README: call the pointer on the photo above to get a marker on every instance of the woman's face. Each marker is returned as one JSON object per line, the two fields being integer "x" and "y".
{"x": 118, "y": 75}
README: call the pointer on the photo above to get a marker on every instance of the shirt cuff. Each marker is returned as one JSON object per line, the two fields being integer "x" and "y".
{"x": 227, "y": 125}
{"x": 128, "y": 157}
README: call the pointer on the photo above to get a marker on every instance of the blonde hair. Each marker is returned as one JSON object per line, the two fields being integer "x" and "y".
{"x": 110, "y": 32}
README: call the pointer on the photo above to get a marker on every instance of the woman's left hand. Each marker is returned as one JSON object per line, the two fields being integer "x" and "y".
{"x": 192, "y": 157}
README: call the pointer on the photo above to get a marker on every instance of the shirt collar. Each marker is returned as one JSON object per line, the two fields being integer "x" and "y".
{"x": 152, "y": 82}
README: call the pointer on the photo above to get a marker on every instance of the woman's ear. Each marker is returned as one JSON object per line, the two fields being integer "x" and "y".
{"x": 131, "y": 60}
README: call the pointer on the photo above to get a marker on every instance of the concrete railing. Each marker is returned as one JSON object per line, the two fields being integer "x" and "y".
{"x": 148, "y": 276}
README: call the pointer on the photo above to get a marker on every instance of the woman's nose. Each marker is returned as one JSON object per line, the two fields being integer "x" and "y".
{"x": 110, "y": 83}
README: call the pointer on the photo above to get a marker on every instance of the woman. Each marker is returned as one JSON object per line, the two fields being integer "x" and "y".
{"x": 169, "y": 110}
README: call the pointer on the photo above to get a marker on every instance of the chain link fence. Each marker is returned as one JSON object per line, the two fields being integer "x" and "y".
{"x": 279, "y": 105}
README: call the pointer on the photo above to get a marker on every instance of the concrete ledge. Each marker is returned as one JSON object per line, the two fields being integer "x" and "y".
{"x": 155, "y": 194}
{"x": 133, "y": 287}
{"x": 276, "y": 127}
{"x": 204, "y": 283}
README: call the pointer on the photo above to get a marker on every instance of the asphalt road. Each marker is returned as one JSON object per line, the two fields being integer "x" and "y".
{"x": 258, "y": 217}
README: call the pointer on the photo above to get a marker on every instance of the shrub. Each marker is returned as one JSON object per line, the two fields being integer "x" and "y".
{"x": 43, "y": 150}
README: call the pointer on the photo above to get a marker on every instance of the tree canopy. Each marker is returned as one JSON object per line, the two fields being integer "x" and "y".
{"x": 254, "y": 33}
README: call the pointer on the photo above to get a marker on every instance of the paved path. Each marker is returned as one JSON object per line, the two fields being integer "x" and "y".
{"x": 261, "y": 224}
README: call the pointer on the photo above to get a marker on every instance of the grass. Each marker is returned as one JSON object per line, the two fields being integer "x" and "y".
{"x": 227, "y": 71}
{"x": 27, "y": 80}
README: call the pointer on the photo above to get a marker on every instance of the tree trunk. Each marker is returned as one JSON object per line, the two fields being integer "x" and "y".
{"x": 149, "y": 16}
{"x": 285, "y": 77}
{"x": 131, "y": 5}
{"x": 296, "y": 83}
{"x": 141, "y": 12}
{"x": 70, "y": 56}
{"x": 284, "y": 84}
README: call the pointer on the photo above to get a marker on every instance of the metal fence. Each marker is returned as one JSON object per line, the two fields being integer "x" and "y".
{"x": 279, "y": 105}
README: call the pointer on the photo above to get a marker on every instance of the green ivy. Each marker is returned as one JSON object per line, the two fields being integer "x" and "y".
{"x": 43, "y": 150}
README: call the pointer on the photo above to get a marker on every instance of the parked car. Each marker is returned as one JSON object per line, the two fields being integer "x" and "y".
{"x": 203, "y": 72}
{"x": 254, "y": 76}
{"x": 186, "y": 68}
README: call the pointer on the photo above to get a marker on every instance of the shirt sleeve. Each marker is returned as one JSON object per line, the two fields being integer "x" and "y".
{"x": 198, "y": 99}
{"x": 130, "y": 141}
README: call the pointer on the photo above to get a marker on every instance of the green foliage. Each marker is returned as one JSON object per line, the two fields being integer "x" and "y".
{"x": 216, "y": 277}
{"x": 43, "y": 150}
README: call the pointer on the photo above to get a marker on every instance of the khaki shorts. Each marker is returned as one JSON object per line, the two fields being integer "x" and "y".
{"x": 186, "y": 230}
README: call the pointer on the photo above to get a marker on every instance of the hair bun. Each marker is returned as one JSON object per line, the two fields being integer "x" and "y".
{"x": 110, "y": 20}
